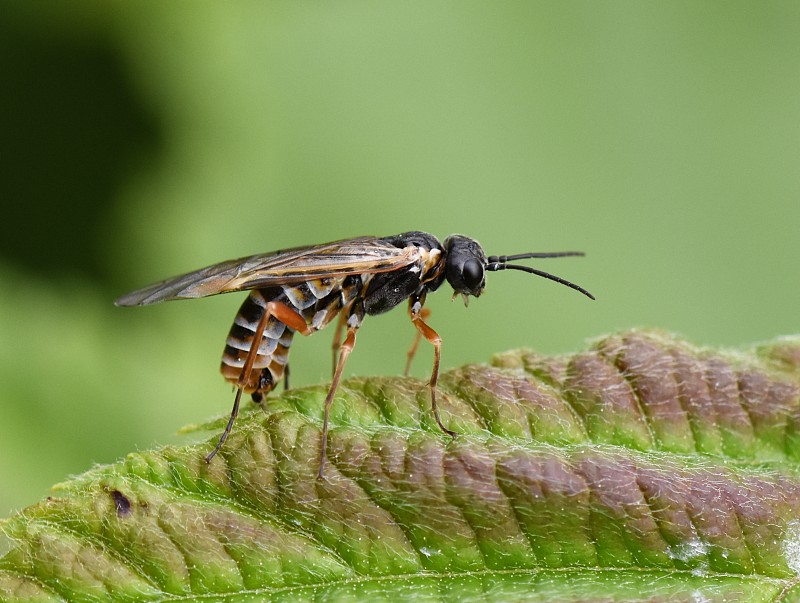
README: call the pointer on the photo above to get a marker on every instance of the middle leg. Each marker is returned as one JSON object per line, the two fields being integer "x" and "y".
{"x": 344, "y": 351}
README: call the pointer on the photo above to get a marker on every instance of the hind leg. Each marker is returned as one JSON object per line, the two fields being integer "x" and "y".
{"x": 288, "y": 316}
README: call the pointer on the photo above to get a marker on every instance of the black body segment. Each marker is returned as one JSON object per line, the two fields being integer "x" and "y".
{"x": 304, "y": 289}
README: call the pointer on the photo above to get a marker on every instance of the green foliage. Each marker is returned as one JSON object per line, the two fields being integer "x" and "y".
{"x": 640, "y": 469}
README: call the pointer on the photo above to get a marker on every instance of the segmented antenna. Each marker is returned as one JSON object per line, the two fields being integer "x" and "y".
{"x": 499, "y": 262}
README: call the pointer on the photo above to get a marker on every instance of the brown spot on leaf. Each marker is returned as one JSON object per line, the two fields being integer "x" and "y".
{"x": 122, "y": 503}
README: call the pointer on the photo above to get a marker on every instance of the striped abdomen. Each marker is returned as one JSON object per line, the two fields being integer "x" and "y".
{"x": 318, "y": 301}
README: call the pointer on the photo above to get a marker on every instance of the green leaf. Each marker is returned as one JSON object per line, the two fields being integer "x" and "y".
{"x": 640, "y": 469}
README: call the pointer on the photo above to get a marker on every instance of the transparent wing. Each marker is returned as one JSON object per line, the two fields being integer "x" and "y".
{"x": 291, "y": 266}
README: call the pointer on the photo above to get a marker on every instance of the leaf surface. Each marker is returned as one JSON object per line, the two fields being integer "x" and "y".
{"x": 640, "y": 469}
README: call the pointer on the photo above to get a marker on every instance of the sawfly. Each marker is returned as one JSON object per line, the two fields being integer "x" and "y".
{"x": 302, "y": 290}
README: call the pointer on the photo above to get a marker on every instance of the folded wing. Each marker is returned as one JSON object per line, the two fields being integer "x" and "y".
{"x": 350, "y": 256}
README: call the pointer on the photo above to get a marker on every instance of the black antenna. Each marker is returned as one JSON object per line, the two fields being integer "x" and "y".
{"x": 495, "y": 263}
{"x": 502, "y": 259}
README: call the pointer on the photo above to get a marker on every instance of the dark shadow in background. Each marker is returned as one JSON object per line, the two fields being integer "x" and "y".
{"x": 72, "y": 130}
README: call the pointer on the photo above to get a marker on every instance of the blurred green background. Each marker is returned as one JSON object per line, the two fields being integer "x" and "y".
{"x": 144, "y": 139}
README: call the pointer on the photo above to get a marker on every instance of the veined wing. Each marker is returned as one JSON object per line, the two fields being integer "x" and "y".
{"x": 349, "y": 256}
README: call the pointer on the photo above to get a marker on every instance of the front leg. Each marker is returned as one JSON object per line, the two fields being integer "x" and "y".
{"x": 412, "y": 351}
{"x": 415, "y": 310}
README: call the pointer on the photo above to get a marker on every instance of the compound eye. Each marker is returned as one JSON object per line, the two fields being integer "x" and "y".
{"x": 472, "y": 273}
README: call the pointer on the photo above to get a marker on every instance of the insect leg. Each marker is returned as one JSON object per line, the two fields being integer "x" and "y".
{"x": 287, "y": 316}
{"x": 415, "y": 309}
{"x": 286, "y": 378}
{"x": 337, "y": 338}
{"x": 353, "y": 323}
{"x": 424, "y": 313}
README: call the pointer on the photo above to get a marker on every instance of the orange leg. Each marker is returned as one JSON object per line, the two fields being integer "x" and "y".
{"x": 433, "y": 337}
{"x": 344, "y": 351}
{"x": 287, "y": 316}
{"x": 337, "y": 337}
{"x": 424, "y": 313}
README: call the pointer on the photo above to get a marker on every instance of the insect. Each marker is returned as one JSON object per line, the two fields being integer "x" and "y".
{"x": 302, "y": 290}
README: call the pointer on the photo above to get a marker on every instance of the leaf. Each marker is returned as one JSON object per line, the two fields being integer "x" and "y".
{"x": 641, "y": 469}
